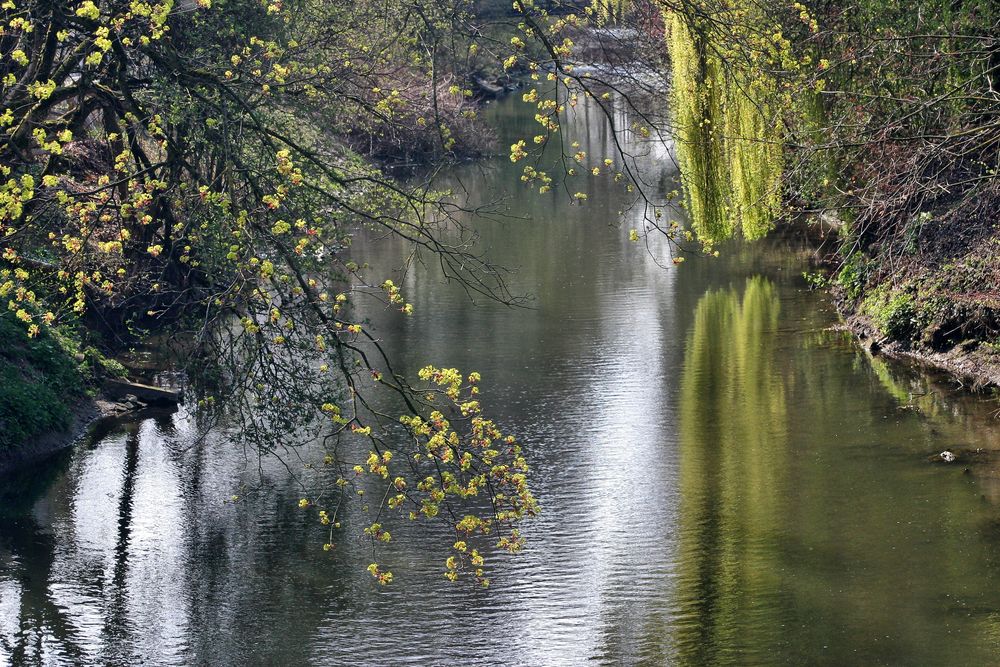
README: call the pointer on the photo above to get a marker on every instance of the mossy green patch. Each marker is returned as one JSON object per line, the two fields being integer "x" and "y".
{"x": 894, "y": 312}
{"x": 40, "y": 379}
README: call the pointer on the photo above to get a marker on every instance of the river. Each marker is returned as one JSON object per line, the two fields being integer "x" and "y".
{"x": 725, "y": 478}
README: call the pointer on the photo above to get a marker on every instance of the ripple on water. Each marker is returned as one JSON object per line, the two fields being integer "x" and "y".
{"x": 718, "y": 487}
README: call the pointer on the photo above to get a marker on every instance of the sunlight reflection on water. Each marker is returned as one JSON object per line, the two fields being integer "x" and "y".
{"x": 722, "y": 482}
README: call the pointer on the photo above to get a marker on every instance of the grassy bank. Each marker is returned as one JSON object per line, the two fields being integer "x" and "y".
{"x": 47, "y": 384}
{"x": 932, "y": 292}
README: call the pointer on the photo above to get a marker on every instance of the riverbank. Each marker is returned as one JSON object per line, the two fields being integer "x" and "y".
{"x": 53, "y": 389}
{"x": 929, "y": 291}
{"x": 909, "y": 167}
{"x": 45, "y": 382}
{"x": 902, "y": 317}
{"x": 116, "y": 401}
{"x": 83, "y": 414}
{"x": 974, "y": 365}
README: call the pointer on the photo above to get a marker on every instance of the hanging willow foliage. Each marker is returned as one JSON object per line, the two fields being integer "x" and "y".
{"x": 729, "y": 143}
{"x": 608, "y": 12}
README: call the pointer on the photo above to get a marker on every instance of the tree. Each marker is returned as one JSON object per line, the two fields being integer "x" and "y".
{"x": 175, "y": 164}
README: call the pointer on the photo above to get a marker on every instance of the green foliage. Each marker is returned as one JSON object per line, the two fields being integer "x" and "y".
{"x": 729, "y": 140}
{"x": 853, "y": 274}
{"x": 912, "y": 231}
{"x": 39, "y": 379}
{"x": 701, "y": 159}
{"x": 894, "y": 312}
{"x": 609, "y": 12}
{"x": 816, "y": 280}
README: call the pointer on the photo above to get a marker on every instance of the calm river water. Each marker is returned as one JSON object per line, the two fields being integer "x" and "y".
{"x": 724, "y": 480}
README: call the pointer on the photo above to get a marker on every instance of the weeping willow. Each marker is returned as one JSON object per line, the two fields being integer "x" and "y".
{"x": 608, "y": 11}
{"x": 729, "y": 143}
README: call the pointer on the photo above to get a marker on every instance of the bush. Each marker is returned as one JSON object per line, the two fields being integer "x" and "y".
{"x": 894, "y": 313}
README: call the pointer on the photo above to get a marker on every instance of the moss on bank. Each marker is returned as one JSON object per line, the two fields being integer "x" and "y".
{"x": 928, "y": 303}
{"x": 933, "y": 292}
{"x": 41, "y": 379}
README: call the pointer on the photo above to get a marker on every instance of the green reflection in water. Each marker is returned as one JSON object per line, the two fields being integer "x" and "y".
{"x": 812, "y": 529}
{"x": 732, "y": 414}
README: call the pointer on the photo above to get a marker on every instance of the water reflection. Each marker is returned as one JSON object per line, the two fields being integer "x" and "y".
{"x": 723, "y": 481}
{"x": 733, "y": 449}
{"x": 806, "y": 534}
{"x": 131, "y": 555}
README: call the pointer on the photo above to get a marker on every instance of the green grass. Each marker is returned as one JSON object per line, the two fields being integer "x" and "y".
{"x": 40, "y": 379}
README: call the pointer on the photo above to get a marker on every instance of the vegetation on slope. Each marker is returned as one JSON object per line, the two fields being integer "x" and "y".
{"x": 888, "y": 118}
{"x": 39, "y": 381}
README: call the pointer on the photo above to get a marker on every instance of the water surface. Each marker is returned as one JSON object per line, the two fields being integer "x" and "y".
{"x": 724, "y": 480}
